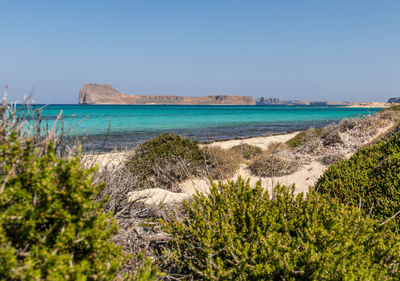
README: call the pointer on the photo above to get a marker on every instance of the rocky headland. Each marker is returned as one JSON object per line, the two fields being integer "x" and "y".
{"x": 106, "y": 94}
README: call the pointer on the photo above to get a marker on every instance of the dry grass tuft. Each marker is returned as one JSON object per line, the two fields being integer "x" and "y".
{"x": 274, "y": 162}
{"x": 247, "y": 151}
{"x": 273, "y": 165}
{"x": 221, "y": 163}
{"x": 337, "y": 141}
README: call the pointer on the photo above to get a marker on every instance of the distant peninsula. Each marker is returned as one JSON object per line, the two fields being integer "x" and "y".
{"x": 105, "y": 94}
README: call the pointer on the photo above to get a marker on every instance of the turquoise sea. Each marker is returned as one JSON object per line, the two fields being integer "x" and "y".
{"x": 128, "y": 125}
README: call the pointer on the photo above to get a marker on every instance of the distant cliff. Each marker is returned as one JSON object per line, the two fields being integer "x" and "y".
{"x": 106, "y": 94}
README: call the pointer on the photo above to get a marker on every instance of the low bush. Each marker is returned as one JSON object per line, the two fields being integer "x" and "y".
{"x": 270, "y": 164}
{"x": 303, "y": 137}
{"x": 239, "y": 232}
{"x": 221, "y": 163}
{"x": 247, "y": 151}
{"x": 370, "y": 179}
{"x": 50, "y": 227}
{"x": 392, "y": 108}
{"x": 165, "y": 161}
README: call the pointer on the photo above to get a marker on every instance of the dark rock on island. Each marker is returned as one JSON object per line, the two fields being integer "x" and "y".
{"x": 394, "y": 100}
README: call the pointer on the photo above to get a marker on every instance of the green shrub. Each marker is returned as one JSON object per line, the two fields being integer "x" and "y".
{"x": 392, "y": 108}
{"x": 247, "y": 151}
{"x": 370, "y": 179}
{"x": 148, "y": 271}
{"x": 165, "y": 160}
{"x": 239, "y": 232}
{"x": 221, "y": 163}
{"x": 303, "y": 137}
{"x": 50, "y": 227}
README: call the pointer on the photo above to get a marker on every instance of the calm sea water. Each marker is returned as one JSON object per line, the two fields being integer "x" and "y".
{"x": 128, "y": 125}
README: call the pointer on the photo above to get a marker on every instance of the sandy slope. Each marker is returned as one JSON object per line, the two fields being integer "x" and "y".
{"x": 302, "y": 179}
{"x": 261, "y": 142}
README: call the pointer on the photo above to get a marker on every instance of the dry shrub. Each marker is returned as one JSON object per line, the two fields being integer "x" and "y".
{"x": 270, "y": 164}
{"x": 247, "y": 151}
{"x": 221, "y": 163}
{"x": 332, "y": 157}
{"x": 392, "y": 115}
{"x": 138, "y": 228}
{"x": 331, "y": 138}
{"x": 304, "y": 137}
{"x": 277, "y": 147}
{"x": 346, "y": 137}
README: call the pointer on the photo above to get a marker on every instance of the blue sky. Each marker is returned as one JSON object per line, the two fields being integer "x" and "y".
{"x": 315, "y": 50}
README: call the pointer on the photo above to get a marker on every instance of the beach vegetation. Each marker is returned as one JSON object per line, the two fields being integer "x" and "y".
{"x": 392, "y": 108}
{"x": 221, "y": 163}
{"x": 165, "y": 161}
{"x": 51, "y": 226}
{"x": 242, "y": 232}
{"x": 274, "y": 162}
{"x": 247, "y": 151}
{"x": 170, "y": 159}
{"x": 370, "y": 180}
{"x": 304, "y": 137}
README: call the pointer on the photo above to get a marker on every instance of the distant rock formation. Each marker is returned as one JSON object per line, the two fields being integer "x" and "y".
{"x": 277, "y": 101}
{"x": 394, "y": 100}
{"x": 106, "y": 94}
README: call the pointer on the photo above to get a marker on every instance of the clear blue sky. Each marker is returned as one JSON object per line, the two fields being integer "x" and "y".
{"x": 316, "y": 50}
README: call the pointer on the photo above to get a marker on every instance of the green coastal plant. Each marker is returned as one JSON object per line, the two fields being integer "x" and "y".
{"x": 303, "y": 137}
{"x": 392, "y": 108}
{"x": 50, "y": 227}
{"x": 370, "y": 180}
{"x": 165, "y": 160}
{"x": 239, "y": 232}
{"x": 169, "y": 159}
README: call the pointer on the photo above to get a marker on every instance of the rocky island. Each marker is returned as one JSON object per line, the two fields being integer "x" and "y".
{"x": 105, "y": 94}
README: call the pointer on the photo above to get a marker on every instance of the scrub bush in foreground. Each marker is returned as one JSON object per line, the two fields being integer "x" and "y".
{"x": 239, "y": 232}
{"x": 370, "y": 179}
{"x": 50, "y": 227}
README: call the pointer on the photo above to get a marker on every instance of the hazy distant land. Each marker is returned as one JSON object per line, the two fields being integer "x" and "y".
{"x": 106, "y": 94}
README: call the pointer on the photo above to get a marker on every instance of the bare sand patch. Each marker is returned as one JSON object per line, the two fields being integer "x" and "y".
{"x": 262, "y": 142}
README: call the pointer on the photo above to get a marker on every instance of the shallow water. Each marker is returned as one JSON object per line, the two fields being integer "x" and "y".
{"x": 128, "y": 125}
